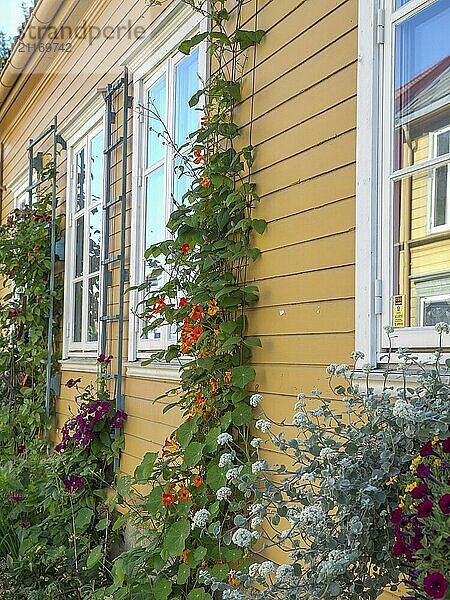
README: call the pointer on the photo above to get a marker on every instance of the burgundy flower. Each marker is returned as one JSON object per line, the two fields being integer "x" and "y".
{"x": 73, "y": 382}
{"x": 73, "y": 483}
{"x": 420, "y": 491}
{"x": 446, "y": 445}
{"x": 24, "y": 524}
{"x": 396, "y": 517}
{"x": 399, "y": 547}
{"x": 60, "y": 447}
{"x": 16, "y": 497}
{"x": 20, "y": 449}
{"x": 118, "y": 419}
{"x": 427, "y": 449}
{"x": 444, "y": 504}
{"x": 425, "y": 508}
{"x": 103, "y": 359}
{"x": 435, "y": 585}
{"x": 423, "y": 471}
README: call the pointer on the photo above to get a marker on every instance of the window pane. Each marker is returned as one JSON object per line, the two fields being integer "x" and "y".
{"x": 181, "y": 180}
{"x": 435, "y": 309}
{"x": 187, "y": 82}
{"x": 96, "y": 168}
{"x": 422, "y": 83}
{"x": 400, "y": 3}
{"x": 95, "y": 226}
{"x": 155, "y": 218}
{"x": 93, "y": 302}
{"x": 156, "y": 117}
{"x": 81, "y": 180}
{"x": 420, "y": 259}
{"x": 77, "y": 311}
{"x": 440, "y": 199}
{"x": 79, "y": 246}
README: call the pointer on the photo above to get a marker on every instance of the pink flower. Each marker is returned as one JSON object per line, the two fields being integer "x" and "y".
{"x": 446, "y": 445}
{"x": 16, "y": 497}
{"x": 24, "y": 524}
{"x": 396, "y": 517}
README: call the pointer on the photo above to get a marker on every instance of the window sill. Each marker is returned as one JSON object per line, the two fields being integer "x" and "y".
{"x": 79, "y": 365}
{"x": 159, "y": 370}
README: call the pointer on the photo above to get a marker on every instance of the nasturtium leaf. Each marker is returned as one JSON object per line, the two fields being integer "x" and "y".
{"x": 183, "y": 574}
{"x": 95, "y": 556}
{"x": 198, "y": 594}
{"x": 153, "y": 502}
{"x": 242, "y": 376}
{"x": 83, "y": 519}
{"x": 193, "y": 454}
{"x": 259, "y": 225}
{"x": 242, "y": 414}
{"x": 196, "y": 556}
{"x": 145, "y": 469}
{"x": 124, "y": 485}
{"x": 174, "y": 541}
{"x": 161, "y": 589}
{"x": 215, "y": 476}
{"x": 185, "y": 432}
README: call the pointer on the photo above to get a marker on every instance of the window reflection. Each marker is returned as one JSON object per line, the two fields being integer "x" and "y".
{"x": 95, "y": 226}
{"x": 79, "y": 246}
{"x": 186, "y": 84}
{"x": 96, "y": 168}
{"x": 156, "y": 118}
{"x": 93, "y": 304}
{"x": 78, "y": 311}
{"x": 81, "y": 179}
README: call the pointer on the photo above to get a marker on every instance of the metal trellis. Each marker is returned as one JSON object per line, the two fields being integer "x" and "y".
{"x": 113, "y": 261}
{"x": 35, "y": 164}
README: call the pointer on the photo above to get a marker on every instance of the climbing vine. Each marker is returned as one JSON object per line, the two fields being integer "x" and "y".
{"x": 190, "y": 520}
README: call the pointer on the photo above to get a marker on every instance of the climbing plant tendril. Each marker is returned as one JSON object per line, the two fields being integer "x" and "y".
{"x": 191, "y": 518}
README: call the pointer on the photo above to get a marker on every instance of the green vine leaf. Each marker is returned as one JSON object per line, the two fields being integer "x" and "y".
{"x": 193, "y": 454}
{"x": 144, "y": 470}
{"x": 174, "y": 541}
{"x": 243, "y": 376}
{"x": 186, "y": 46}
{"x": 95, "y": 556}
{"x": 246, "y": 38}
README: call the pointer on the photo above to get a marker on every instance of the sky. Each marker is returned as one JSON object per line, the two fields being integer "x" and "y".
{"x": 11, "y": 16}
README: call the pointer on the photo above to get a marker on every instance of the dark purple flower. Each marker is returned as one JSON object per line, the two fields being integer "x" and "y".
{"x": 435, "y": 585}
{"x": 396, "y": 517}
{"x": 427, "y": 449}
{"x": 60, "y": 447}
{"x": 20, "y": 449}
{"x": 103, "y": 359}
{"x": 444, "y": 504}
{"x": 446, "y": 445}
{"x": 420, "y": 491}
{"x": 416, "y": 542}
{"x": 423, "y": 471}
{"x": 399, "y": 548}
{"x": 119, "y": 418}
{"x": 73, "y": 483}
{"x": 425, "y": 508}
{"x": 24, "y": 524}
{"x": 16, "y": 497}
{"x": 73, "y": 382}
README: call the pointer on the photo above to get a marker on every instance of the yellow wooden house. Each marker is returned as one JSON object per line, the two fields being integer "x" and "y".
{"x": 349, "y": 102}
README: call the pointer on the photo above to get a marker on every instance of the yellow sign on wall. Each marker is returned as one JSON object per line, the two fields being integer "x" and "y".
{"x": 399, "y": 311}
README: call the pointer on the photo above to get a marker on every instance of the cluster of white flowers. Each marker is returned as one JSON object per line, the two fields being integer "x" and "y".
{"x": 311, "y": 515}
{"x": 227, "y": 459}
{"x": 201, "y": 518}
{"x": 255, "y": 399}
{"x": 284, "y": 573}
{"x": 326, "y": 452}
{"x": 317, "y": 412}
{"x": 336, "y": 562}
{"x": 256, "y": 442}
{"x": 266, "y": 568}
{"x": 224, "y": 438}
{"x": 233, "y": 474}
{"x": 223, "y": 493}
{"x": 442, "y": 327}
{"x": 259, "y": 465}
{"x": 367, "y": 367}
{"x": 300, "y": 419}
{"x": 262, "y": 425}
{"x": 403, "y": 410}
{"x": 243, "y": 537}
{"x": 284, "y": 534}
{"x": 299, "y": 405}
{"x": 293, "y": 515}
{"x": 255, "y": 509}
{"x": 256, "y": 522}
{"x": 232, "y": 595}
{"x": 308, "y": 477}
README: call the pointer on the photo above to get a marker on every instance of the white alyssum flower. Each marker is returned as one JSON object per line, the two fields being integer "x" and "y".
{"x": 255, "y": 509}
{"x": 300, "y": 419}
{"x": 256, "y": 522}
{"x": 227, "y": 459}
{"x": 253, "y": 570}
{"x": 284, "y": 573}
{"x": 232, "y": 595}
{"x": 317, "y": 412}
{"x": 266, "y": 568}
{"x": 224, "y": 438}
{"x": 262, "y": 425}
{"x": 223, "y": 493}
{"x": 256, "y": 442}
{"x": 326, "y": 452}
{"x": 403, "y": 410}
{"x": 311, "y": 515}
{"x": 201, "y": 518}
{"x": 284, "y": 534}
{"x": 233, "y": 474}
{"x": 342, "y": 369}
{"x": 308, "y": 477}
{"x": 367, "y": 367}
{"x": 336, "y": 562}
{"x": 299, "y": 405}
{"x": 255, "y": 399}
{"x": 242, "y": 537}
{"x": 259, "y": 465}
{"x": 357, "y": 355}
{"x": 442, "y": 327}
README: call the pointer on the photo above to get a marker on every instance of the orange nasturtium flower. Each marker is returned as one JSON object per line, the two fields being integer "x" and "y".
{"x": 183, "y": 302}
{"x": 159, "y": 305}
{"x": 198, "y": 156}
{"x": 198, "y": 481}
{"x": 196, "y": 312}
{"x": 227, "y": 377}
{"x": 168, "y": 498}
{"x": 205, "y": 182}
{"x": 170, "y": 446}
{"x": 185, "y": 555}
{"x": 185, "y": 248}
{"x": 184, "y": 494}
{"x": 213, "y": 309}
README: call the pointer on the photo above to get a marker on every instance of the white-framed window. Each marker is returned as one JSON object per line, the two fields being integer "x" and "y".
{"x": 83, "y": 242}
{"x": 163, "y": 86}
{"x": 18, "y": 187}
{"x": 403, "y": 156}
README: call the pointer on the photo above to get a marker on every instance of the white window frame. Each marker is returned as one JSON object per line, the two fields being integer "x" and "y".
{"x": 88, "y": 123}
{"x": 433, "y": 154}
{"x": 430, "y": 299}
{"x": 18, "y": 187}
{"x": 156, "y": 55}
{"x": 375, "y": 183}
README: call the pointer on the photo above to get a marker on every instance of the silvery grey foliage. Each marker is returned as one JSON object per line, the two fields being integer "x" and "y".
{"x": 329, "y": 508}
